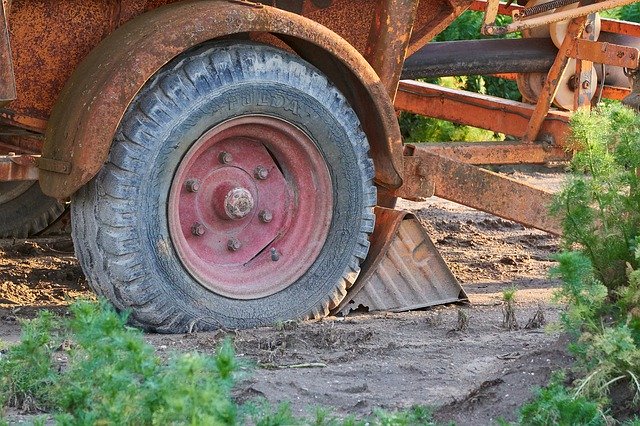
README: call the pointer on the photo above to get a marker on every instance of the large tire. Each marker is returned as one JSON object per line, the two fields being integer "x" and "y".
{"x": 25, "y": 210}
{"x": 134, "y": 224}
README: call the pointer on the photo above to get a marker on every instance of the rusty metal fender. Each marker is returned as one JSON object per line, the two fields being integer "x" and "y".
{"x": 93, "y": 101}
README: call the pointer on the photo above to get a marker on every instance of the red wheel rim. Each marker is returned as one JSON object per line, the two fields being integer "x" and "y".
{"x": 250, "y": 207}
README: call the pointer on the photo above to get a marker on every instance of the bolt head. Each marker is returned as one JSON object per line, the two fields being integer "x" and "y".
{"x": 261, "y": 173}
{"x": 234, "y": 244}
{"x": 193, "y": 185}
{"x": 225, "y": 158}
{"x": 265, "y": 216}
{"x": 198, "y": 229}
{"x": 588, "y": 28}
{"x": 275, "y": 256}
{"x": 586, "y": 84}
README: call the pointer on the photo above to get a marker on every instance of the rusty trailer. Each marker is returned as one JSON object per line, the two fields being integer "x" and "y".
{"x": 234, "y": 164}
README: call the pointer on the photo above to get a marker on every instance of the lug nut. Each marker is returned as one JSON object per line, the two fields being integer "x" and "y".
{"x": 275, "y": 256}
{"x": 265, "y": 216}
{"x": 193, "y": 185}
{"x": 198, "y": 229}
{"x": 261, "y": 173}
{"x": 234, "y": 244}
{"x": 225, "y": 158}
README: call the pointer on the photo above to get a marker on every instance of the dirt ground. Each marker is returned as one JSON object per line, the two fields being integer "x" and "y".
{"x": 364, "y": 361}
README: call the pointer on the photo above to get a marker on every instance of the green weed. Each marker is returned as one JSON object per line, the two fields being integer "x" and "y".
{"x": 557, "y": 405}
{"x": 27, "y": 371}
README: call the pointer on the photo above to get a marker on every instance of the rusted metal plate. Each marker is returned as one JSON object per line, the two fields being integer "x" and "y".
{"x": 605, "y": 53}
{"x": 18, "y": 167}
{"x": 95, "y": 98}
{"x": 486, "y": 191}
{"x": 433, "y": 17}
{"x": 49, "y": 39}
{"x": 494, "y": 152}
{"x": 408, "y": 271}
{"x": 7, "y": 78}
{"x": 473, "y": 109}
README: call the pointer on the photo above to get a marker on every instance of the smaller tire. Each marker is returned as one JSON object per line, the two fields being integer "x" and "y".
{"x": 25, "y": 210}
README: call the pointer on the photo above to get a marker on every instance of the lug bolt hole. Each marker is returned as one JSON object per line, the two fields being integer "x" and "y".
{"x": 234, "y": 244}
{"x": 275, "y": 256}
{"x": 193, "y": 185}
{"x": 198, "y": 229}
{"x": 265, "y": 216}
{"x": 261, "y": 173}
{"x": 225, "y": 158}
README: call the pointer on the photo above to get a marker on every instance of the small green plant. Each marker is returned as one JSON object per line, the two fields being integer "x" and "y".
{"x": 557, "y": 405}
{"x": 27, "y": 372}
{"x": 509, "y": 320}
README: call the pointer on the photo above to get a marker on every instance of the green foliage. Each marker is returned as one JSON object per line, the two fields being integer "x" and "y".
{"x": 629, "y": 13}
{"x": 557, "y": 405}
{"x": 600, "y": 210}
{"x": 114, "y": 377}
{"x": 27, "y": 372}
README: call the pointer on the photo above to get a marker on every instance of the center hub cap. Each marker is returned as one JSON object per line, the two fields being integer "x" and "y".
{"x": 238, "y": 203}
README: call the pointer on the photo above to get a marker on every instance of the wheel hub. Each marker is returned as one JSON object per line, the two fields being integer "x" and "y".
{"x": 238, "y": 203}
{"x": 250, "y": 207}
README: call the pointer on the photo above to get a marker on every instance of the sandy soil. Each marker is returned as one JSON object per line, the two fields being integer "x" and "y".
{"x": 357, "y": 363}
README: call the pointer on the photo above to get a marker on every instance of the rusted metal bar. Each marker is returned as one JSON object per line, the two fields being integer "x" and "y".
{"x": 389, "y": 38}
{"x": 482, "y": 57}
{"x": 473, "y": 109}
{"x": 605, "y": 53}
{"x": 620, "y": 27}
{"x": 581, "y": 11}
{"x": 493, "y": 152}
{"x": 617, "y": 93}
{"x": 550, "y": 87}
{"x": 491, "y": 12}
{"x": 484, "y": 190}
{"x": 18, "y": 167}
{"x": 7, "y": 77}
{"x": 503, "y": 9}
{"x": 583, "y": 78}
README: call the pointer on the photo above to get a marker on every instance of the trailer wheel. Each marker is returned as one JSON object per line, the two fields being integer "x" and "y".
{"x": 25, "y": 210}
{"x": 238, "y": 193}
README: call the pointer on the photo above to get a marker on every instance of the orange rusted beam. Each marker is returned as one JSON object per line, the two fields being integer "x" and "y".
{"x": 473, "y": 109}
{"x": 389, "y": 38}
{"x": 617, "y": 93}
{"x": 493, "y": 152}
{"x": 480, "y": 189}
{"x": 605, "y": 53}
{"x": 503, "y": 9}
{"x": 18, "y": 167}
{"x": 620, "y": 27}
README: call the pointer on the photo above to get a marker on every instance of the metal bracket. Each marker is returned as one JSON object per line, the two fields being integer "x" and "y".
{"x": 56, "y": 166}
